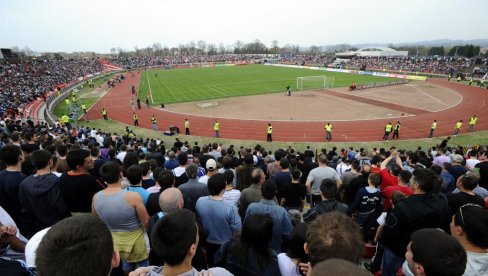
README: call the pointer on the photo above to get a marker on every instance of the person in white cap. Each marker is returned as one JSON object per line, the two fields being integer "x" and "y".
{"x": 211, "y": 166}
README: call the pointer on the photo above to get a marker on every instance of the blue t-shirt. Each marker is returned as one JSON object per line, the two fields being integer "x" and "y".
{"x": 219, "y": 218}
{"x": 140, "y": 190}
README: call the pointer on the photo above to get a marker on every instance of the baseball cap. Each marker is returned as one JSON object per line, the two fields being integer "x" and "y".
{"x": 211, "y": 164}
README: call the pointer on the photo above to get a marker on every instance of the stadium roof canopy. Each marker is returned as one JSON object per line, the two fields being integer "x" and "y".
{"x": 374, "y": 52}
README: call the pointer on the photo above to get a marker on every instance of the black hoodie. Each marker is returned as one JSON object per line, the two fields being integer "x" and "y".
{"x": 41, "y": 201}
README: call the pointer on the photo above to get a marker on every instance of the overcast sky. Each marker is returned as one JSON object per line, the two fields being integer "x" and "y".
{"x": 99, "y": 25}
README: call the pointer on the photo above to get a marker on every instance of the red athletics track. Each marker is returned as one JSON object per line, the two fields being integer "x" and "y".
{"x": 117, "y": 104}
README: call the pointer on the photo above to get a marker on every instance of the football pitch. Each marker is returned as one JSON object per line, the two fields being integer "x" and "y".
{"x": 194, "y": 84}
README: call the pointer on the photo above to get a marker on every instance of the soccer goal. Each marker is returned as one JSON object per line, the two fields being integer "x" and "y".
{"x": 314, "y": 82}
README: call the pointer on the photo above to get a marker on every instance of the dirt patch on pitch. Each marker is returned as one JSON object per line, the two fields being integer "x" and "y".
{"x": 319, "y": 106}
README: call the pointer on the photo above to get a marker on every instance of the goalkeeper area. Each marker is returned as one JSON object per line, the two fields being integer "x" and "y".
{"x": 314, "y": 82}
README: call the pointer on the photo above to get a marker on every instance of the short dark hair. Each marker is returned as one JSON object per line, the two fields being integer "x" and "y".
{"x": 173, "y": 235}
{"x": 166, "y": 179}
{"x": 76, "y": 157}
{"x": 355, "y": 165}
{"x": 426, "y": 179}
{"x": 68, "y": 248}
{"x": 192, "y": 171}
{"x": 469, "y": 180}
{"x": 110, "y": 172}
{"x": 226, "y": 161}
{"x": 295, "y": 174}
{"x": 229, "y": 176}
{"x": 10, "y": 154}
{"x": 40, "y": 158}
{"x": 182, "y": 158}
{"x": 94, "y": 152}
{"x": 284, "y": 163}
{"x": 375, "y": 159}
{"x": 405, "y": 176}
{"x": 216, "y": 183}
{"x": 145, "y": 167}
{"x": 375, "y": 179}
{"x": 279, "y": 154}
{"x": 62, "y": 149}
{"x": 395, "y": 169}
{"x": 438, "y": 252}
{"x": 334, "y": 235}
{"x": 268, "y": 190}
{"x": 328, "y": 188}
{"x": 248, "y": 158}
{"x": 474, "y": 221}
{"x": 134, "y": 174}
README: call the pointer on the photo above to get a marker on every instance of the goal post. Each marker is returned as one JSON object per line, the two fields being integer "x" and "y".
{"x": 314, "y": 82}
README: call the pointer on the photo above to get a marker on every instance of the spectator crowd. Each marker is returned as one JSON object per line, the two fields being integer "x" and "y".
{"x": 145, "y": 207}
{"x": 148, "y": 208}
{"x": 24, "y": 81}
{"x": 137, "y": 62}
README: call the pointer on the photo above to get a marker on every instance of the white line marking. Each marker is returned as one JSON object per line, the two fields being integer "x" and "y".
{"x": 428, "y": 95}
{"x": 149, "y": 84}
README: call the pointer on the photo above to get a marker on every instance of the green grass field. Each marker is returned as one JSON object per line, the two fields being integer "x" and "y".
{"x": 183, "y": 85}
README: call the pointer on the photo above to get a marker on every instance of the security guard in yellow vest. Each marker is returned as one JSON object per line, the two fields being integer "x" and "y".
{"x": 432, "y": 128}
{"x": 136, "y": 119}
{"x": 187, "y": 127}
{"x": 104, "y": 114}
{"x": 396, "y": 130}
{"x": 154, "y": 123}
{"x": 83, "y": 107}
{"x": 388, "y": 129}
{"x": 458, "y": 127}
{"x": 472, "y": 122}
{"x": 65, "y": 120}
{"x": 269, "y": 137}
{"x": 328, "y": 132}
{"x": 217, "y": 129}
{"x": 67, "y": 103}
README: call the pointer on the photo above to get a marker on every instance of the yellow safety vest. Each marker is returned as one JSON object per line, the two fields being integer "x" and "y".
{"x": 270, "y": 129}
{"x": 388, "y": 128}
{"x": 216, "y": 126}
{"x": 459, "y": 124}
{"x": 328, "y": 127}
{"x": 66, "y": 101}
{"x": 187, "y": 124}
{"x": 83, "y": 106}
{"x": 135, "y": 117}
{"x": 65, "y": 119}
{"x": 104, "y": 112}
{"x": 397, "y": 127}
{"x": 153, "y": 120}
{"x": 473, "y": 120}
{"x": 434, "y": 125}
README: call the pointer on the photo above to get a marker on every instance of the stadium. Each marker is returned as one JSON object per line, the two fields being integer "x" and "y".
{"x": 227, "y": 157}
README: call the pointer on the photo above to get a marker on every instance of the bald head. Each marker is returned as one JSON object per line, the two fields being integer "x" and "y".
{"x": 171, "y": 199}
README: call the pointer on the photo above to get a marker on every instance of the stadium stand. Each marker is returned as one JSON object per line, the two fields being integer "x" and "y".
{"x": 75, "y": 153}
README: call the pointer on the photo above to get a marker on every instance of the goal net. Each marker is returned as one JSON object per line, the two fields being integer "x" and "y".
{"x": 314, "y": 82}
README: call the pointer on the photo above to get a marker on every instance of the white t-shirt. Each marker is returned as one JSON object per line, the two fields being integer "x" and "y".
{"x": 470, "y": 163}
{"x": 477, "y": 264}
{"x": 204, "y": 179}
{"x": 286, "y": 265}
{"x": 381, "y": 219}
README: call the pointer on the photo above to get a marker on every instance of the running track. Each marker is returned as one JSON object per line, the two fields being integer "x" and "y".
{"x": 475, "y": 100}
